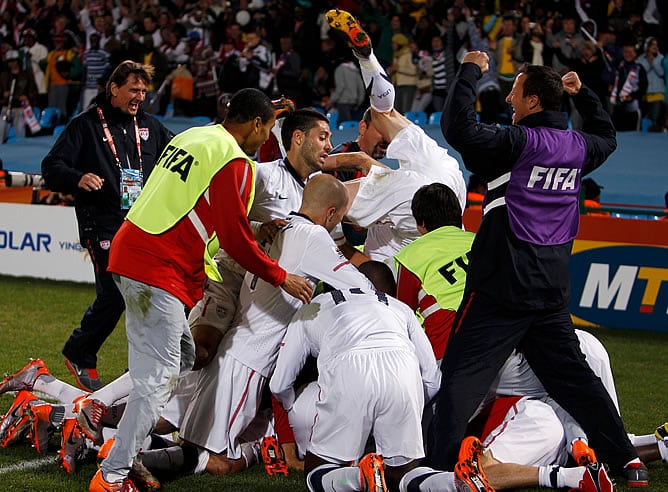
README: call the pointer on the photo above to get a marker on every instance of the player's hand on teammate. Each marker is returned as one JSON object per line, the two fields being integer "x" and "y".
{"x": 298, "y": 287}
{"x": 572, "y": 83}
{"x": 268, "y": 230}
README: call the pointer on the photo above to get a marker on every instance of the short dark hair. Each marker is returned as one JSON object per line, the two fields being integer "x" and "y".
{"x": 380, "y": 275}
{"x": 366, "y": 117}
{"x": 302, "y": 119}
{"x": 122, "y": 73}
{"x": 544, "y": 82}
{"x": 247, "y": 104}
{"x": 435, "y": 206}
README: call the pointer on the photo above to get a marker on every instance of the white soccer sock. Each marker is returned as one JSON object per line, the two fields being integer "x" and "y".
{"x": 117, "y": 389}
{"x": 644, "y": 440}
{"x": 250, "y": 452}
{"x": 378, "y": 84}
{"x": 56, "y": 389}
{"x": 566, "y": 477}
{"x": 428, "y": 480}
{"x": 635, "y": 460}
{"x": 202, "y": 461}
{"x": 331, "y": 478}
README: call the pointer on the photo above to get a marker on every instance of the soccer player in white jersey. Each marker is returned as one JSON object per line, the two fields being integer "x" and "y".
{"x": 382, "y": 199}
{"x": 368, "y": 337}
{"x": 279, "y": 186}
{"x": 227, "y": 396}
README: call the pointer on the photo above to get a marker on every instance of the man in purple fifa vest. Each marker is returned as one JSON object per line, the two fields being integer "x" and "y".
{"x": 518, "y": 287}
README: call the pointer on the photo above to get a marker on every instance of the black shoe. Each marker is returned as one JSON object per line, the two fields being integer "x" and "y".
{"x": 636, "y": 475}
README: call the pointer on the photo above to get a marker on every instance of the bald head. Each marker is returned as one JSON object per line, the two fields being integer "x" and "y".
{"x": 325, "y": 200}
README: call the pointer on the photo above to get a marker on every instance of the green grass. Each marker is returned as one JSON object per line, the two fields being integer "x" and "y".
{"x": 37, "y": 316}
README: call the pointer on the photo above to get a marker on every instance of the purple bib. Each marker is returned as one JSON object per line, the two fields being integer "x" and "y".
{"x": 544, "y": 188}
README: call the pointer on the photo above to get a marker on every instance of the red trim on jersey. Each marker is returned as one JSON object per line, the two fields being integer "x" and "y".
{"x": 241, "y": 401}
{"x": 174, "y": 260}
{"x": 281, "y": 422}
{"x": 437, "y": 325}
{"x": 492, "y": 416}
{"x": 340, "y": 265}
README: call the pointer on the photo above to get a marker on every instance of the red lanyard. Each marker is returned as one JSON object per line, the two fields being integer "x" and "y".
{"x": 110, "y": 141}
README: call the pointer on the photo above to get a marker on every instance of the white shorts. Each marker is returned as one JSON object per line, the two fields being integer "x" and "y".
{"x": 218, "y": 305}
{"x": 366, "y": 392}
{"x": 180, "y": 398}
{"x": 224, "y": 405}
{"x": 531, "y": 434}
{"x": 302, "y": 415}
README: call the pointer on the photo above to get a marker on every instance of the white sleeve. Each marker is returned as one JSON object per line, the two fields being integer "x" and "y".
{"x": 431, "y": 374}
{"x": 379, "y": 192}
{"x": 325, "y": 262}
{"x": 417, "y": 151}
{"x": 291, "y": 357}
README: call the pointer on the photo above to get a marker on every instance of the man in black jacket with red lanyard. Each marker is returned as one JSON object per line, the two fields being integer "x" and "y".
{"x": 103, "y": 158}
{"x": 518, "y": 287}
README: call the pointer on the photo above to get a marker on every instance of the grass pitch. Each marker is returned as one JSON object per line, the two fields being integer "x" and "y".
{"x": 37, "y": 316}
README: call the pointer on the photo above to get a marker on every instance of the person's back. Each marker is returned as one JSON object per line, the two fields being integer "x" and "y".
{"x": 264, "y": 311}
{"x": 343, "y": 327}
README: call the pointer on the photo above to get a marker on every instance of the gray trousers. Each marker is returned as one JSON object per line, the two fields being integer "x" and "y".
{"x": 160, "y": 347}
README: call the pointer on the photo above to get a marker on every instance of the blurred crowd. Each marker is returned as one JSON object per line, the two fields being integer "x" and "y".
{"x": 60, "y": 51}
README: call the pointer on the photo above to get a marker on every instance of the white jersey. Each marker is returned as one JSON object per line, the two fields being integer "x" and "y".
{"x": 278, "y": 191}
{"x": 345, "y": 321}
{"x": 302, "y": 248}
{"x": 383, "y": 202}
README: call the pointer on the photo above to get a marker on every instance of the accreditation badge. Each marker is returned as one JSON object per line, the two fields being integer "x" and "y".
{"x": 131, "y": 182}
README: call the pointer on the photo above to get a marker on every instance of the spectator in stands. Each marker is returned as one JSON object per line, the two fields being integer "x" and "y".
{"x": 652, "y": 61}
{"x": 349, "y": 93}
{"x": 62, "y": 65}
{"x": 152, "y": 29}
{"x": 591, "y": 192}
{"x": 425, "y": 67}
{"x": 567, "y": 41}
{"x": 156, "y": 100}
{"x": 589, "y": 67}
{"x": 533, "y": 44}
{"x": 175, "y": 49}
{"x": 61, "y": 28}
{"x": 628, "y": 90}
{"x": 288, "y": 70}
{"x": 439, "y": 80}
{"x": 34, "y": 54}
{"x": 255, "y": 62}
{"x": 96, "y": 68}
{"x": 403, "y": 72}
{"x": 24, "y": 91}
{"x": 508, "y": 56}
{"x": 96, "y": 28}
{"x": 488, "y": 86}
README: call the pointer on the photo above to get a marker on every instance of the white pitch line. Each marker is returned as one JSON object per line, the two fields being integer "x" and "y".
{"x": 27, "y": 465}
